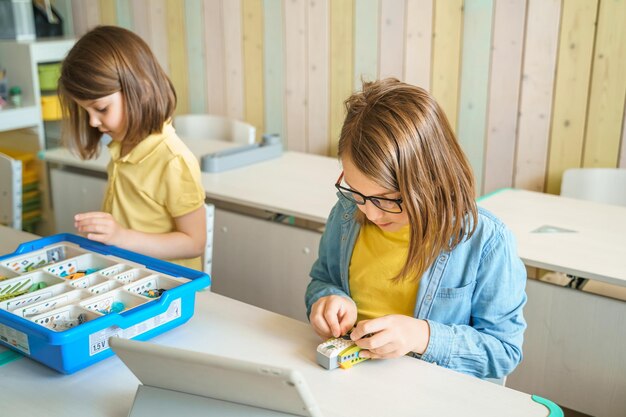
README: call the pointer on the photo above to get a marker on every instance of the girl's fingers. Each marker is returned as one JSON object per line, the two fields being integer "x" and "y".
{"x": 90, "y": 215}
{"x": 367, "y": 327}
{"x": 330, "y": 315}
{"x": 375, "y": 341}
{"x": 320, "y": 326}
{"x": 346, "y": 321}
{"x": 317, "y": 318}
{"x": 96, "y": 237}
{"x": 378, "y": 354}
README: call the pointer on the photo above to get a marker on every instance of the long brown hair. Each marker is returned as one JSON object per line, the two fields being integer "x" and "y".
{"x": 397, "y": 135}
{"x": 104, "y": 61}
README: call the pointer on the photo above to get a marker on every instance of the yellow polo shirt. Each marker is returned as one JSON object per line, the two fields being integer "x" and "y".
{"x": 154, "y": 183}
{"x": 377, "y": 257}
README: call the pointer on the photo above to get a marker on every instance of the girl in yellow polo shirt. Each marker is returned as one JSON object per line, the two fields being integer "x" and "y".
{"x": 154, "y": 203}
{"x": 407, "y": 261}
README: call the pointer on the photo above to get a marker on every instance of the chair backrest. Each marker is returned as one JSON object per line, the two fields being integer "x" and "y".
{"x": 603, "y": 185}
{"x": 207, "y": 257}
{"x": 209, "y": 126}
{"x": 10, "y": 191}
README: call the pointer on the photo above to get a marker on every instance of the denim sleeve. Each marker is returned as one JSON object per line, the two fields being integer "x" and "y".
{"x": 491, "y": 345}
{"x": 325, "y": 272}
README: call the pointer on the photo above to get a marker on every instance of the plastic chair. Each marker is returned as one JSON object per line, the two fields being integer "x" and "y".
{"x": 209, "y": 126}
{"x": 602, "y": 185}
{"x": 10, "y": 191}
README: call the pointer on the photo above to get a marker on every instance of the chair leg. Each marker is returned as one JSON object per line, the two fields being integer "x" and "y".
{"x": 576, "y": 282}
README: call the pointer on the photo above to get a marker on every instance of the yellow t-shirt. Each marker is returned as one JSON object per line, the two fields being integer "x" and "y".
{"x": 155, "y": 182}
{"x": 376, "y": 259}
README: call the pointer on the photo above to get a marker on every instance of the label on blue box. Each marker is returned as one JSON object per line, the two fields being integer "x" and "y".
{"x": 99, "y": 341}
{"x": 14, "y": 338}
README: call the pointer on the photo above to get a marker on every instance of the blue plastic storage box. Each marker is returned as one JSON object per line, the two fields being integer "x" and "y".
{"x": 63, "y": 296}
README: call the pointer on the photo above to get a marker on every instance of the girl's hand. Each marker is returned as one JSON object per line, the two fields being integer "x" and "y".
{"x": 391, "y": 336}
{"x": 100, "y": 227}
{"x": 333, "y": 316}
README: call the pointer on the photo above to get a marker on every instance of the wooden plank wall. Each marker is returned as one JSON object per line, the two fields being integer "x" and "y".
{"x": 532, "y": 87}
{"x": 504, "y": 89}
{"x": 535, "y": 110}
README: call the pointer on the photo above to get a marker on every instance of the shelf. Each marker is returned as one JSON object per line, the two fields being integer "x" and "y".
{"x": 21, "y": 60}
{"x": 19, "y": 118}
{"x": 50, "y": 50}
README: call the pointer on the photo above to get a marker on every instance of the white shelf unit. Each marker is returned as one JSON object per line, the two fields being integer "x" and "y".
{"x": 21, "y": 128}
{"x": 10, "y": 192}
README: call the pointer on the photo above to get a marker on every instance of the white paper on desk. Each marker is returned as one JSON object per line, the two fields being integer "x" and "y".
{"x": 552, "y": 229}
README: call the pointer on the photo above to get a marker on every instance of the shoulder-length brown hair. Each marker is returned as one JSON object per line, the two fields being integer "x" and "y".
{"x": 397, "y": 135}
{"x": 104, "y": 61}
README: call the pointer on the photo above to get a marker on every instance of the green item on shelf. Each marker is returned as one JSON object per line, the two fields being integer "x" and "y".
{"x": 15, "y": 95}
{"x": 49, "y": 75}
{"x": 31, "y": 205}
{"x": 31, "y": 227}
{"x": 30, "y": 187}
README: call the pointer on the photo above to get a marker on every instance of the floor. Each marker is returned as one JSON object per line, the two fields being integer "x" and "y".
{"x": 571, "y": 413}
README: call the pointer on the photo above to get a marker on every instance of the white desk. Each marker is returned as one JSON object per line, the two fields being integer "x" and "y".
{"x": 595, "y": 248}
{"x": 223, "y": 326}
{"x": 246, "y": 246}
{"x": 575, "y": 342}
{"x": 11, "y": 238}
{"x": 263, "y": 262}
{"x": 400, "y": 387}
{"x": 296, "y": 184}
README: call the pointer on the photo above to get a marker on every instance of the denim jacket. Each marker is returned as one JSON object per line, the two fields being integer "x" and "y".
{"x": 472, "y": 297}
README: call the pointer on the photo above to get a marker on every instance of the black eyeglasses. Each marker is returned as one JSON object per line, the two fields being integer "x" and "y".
{"x": 390, "y": 205}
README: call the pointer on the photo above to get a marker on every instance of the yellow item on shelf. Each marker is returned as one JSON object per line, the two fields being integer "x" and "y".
{"x": 29, "y": 170}
{"x": 34, "y": 214}
{"x": 28, "y": 176}
{"x": 50, "y": 108}
{"x": 31, "y": 198}
{"x": 29, "y": 195}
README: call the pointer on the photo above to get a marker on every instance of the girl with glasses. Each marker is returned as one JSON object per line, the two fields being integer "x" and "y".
{"x": 407, "y": 261}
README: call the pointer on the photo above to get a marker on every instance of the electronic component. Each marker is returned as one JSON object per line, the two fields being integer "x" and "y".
{"x": 339, "y": 352}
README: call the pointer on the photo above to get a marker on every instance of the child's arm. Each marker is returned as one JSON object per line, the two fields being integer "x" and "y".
{"x": 186, "y": 242}
{"x": 330, "y": 309}
{"x": 490, "y": 345}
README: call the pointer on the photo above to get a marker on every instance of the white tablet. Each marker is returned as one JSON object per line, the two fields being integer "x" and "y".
{"x": 229, "y": 386}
